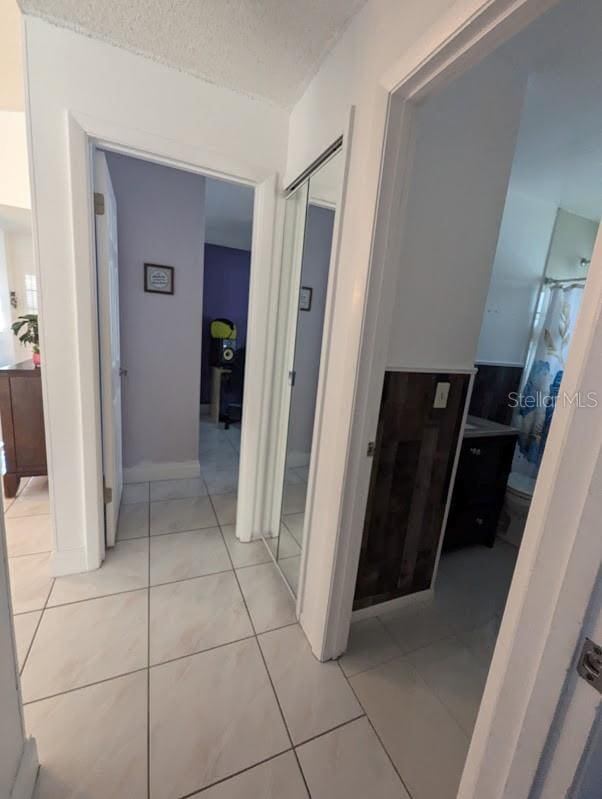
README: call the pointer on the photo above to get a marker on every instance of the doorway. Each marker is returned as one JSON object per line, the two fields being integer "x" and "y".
{"x": 169, "y": 277}
{"x": 418, "y": 427}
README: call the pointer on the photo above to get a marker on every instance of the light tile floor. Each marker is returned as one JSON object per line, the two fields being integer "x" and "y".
{"x": 178, "y": 669}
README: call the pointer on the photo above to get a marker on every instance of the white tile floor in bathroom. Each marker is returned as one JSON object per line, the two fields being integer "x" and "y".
{"x": 178, "y": 670}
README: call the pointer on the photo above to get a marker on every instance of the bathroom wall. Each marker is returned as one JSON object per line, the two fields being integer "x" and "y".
{"x": 160, "y": 217}
{"x": 227, "y": 273}
{"x": 573, "y": 239}
{"x": 536, "y": 237}
{"x": 518, "y": 268}
{"x": 457, "y": 192}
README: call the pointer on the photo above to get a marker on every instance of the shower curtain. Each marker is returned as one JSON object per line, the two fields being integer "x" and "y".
{"x": 538, "y": 397}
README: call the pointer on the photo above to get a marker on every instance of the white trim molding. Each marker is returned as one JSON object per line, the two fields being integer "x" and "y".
{"x": 86, "y": 132}
{"x": 25, "y": 781}
{"x": 146, "y": 472}
{"x": 393, "y": 604}
{"x": 69, "y": 561}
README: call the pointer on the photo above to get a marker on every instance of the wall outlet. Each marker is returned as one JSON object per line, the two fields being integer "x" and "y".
{"x": 441, "y": 395}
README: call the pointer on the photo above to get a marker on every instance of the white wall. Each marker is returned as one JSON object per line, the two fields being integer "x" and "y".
{"x": 355, "y": 73}
{"x": 536, "y": 237}
{"x": 14, "y": 172}
{"x": 11, "y": 69}
{"x": 463, "y": 158}
{"x": 70, "y": 72}
{"x": 161, "y": 220}
{"x": 520, "y": 261}
{"x": 377, "y": 36}
{"x": 573, "y": 239}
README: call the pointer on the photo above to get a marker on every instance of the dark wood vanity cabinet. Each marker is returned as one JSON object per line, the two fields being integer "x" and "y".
{"x": 479, "y": 490}
{"x": 22, "y": 419}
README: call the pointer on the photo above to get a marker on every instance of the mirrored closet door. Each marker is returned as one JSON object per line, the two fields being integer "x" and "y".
{"x": 307, "y": 292}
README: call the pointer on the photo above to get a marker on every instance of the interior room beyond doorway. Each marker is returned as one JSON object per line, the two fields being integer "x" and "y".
{"x": 502, "y": 216}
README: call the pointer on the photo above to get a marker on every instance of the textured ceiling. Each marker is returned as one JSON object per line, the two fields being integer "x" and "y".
{"x": 265, "y": 48}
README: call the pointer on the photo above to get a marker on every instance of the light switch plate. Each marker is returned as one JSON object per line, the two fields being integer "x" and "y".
{"x": 441, "y": 395}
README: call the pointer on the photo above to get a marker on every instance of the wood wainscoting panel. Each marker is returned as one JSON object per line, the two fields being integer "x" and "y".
{"x": 493, "y": 385}
{"x": 409, "y": 485}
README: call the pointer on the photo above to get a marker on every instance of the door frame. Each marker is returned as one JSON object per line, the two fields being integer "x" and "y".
{"x": 105, "y": 279}
{"x": 554, "y": 576}
{"x": 84, "y": 134}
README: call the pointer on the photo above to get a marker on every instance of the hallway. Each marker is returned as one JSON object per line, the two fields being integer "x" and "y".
{"x": 179, "y": 665}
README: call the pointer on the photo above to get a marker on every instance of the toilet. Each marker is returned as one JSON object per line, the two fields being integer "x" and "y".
{"x": 519, "y": 491}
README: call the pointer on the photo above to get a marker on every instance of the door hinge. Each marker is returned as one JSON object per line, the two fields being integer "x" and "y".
{"x": 371, "y": 448}
{"x": 589, "y": 665}
{"x": 107, "y": 494}
{"x": 291, "y": 377}
{"x": 99, "y": 203}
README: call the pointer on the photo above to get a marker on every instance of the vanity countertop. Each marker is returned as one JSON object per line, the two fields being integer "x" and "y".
{"x": 476, "y": 427}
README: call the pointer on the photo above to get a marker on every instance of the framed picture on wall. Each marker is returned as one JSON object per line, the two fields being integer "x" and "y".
{"x": 158, "y": 279}
{"x": 305, "y": 298}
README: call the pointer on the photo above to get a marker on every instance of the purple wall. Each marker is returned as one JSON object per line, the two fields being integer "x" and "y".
{"x": 161, "y": 219}
{"x": 225, "y": 294}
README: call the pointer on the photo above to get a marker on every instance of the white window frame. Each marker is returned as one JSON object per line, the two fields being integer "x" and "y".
{"x": 31, "y": 292}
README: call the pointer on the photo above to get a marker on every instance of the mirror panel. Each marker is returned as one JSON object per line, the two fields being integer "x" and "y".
{"x": 307, "y": 317}
{"x": 292, "y": 255}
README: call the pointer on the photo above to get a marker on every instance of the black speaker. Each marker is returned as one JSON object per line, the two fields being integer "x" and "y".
{"x": 223, "y": 351}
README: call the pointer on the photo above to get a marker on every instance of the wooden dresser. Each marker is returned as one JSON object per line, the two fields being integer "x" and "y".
{"x": 22, "y": 420}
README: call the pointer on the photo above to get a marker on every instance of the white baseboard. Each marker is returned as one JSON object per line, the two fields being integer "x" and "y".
{"x": 392, "y": 604}
{"x": 146, "y": 472}
{"x": 27, "y": 773}
{"x": 68, "y": 561}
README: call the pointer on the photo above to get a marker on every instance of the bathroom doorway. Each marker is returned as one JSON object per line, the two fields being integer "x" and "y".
{"x": 439, "y": 545}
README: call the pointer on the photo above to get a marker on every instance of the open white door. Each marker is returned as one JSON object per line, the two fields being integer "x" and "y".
{"x": 110, "y": 358}
{"x": 571, "y": 765}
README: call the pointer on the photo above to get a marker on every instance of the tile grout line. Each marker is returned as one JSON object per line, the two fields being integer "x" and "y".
{"x": 29, "y": 648}
{"x": 336, "y": 727}
{"x": 144, "y": 668}
{"x": 87, "y": 685}
{"x": 148, "y": 666}
{"x": 386, "y": 751}
{"x": 235, "y": 774}
{"x": 265, "y": 665}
